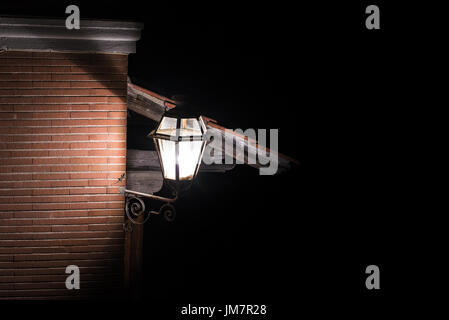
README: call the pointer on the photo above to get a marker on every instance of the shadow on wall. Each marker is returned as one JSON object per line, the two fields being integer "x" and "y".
{"x": 107, "y": 42}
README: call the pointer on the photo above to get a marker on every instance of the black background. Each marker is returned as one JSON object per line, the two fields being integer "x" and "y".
{"x": 343, "y": 100}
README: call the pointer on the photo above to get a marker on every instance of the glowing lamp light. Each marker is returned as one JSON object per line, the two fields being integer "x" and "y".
{"x": 180, "y": 145}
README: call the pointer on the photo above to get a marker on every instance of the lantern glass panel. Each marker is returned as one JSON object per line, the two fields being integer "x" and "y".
{"x": 167, "y": 126}
{"x": 190, "y": 127}
{"x": 189, "y": 158}
{"x": 167, "y": 152}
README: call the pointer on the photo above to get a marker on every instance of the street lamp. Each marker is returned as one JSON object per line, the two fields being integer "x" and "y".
{"x": 180, "y": 143}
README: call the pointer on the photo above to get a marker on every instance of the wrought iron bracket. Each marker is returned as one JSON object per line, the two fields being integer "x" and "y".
{"x": 135, "y": 206}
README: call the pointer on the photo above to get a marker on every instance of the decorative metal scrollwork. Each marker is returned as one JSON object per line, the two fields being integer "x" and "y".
{"x": 168, "y": 211}
{"x": 134, "y": 208}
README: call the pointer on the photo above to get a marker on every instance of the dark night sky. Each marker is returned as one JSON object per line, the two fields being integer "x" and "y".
{"x": 331, "y": 88}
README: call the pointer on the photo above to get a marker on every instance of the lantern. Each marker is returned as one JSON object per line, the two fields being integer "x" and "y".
{"x": 180, "y": 145}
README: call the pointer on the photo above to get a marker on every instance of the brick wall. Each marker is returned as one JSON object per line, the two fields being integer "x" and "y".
{"x": 62, "y": 149}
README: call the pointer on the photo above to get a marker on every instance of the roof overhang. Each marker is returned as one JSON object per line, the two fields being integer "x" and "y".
{"x": 153, "y": 106}
{"x": 148, "y": 103}
{"x": 52, "y": 35}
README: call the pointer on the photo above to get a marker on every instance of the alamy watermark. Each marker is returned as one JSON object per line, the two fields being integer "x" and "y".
{"x": 373, "y": 280}
{"x": 73, "y": 280}
{"x": 72, "y": 21}
{"x": 372, "y": 22}
{"x": 249, "y": 146}
{"x": 254, "y": 147}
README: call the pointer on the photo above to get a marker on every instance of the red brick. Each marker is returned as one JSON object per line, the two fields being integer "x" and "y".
{"x": 107, "y": 122}
{"x": 67, "y": 123}
{"x": 121, "y": 115}
{"x": 62, "y": 92}
{"x": 50, "y": 206}
{"x": 50, "y": 176}
{"x": 52, "y": 69}
{"x": 117, "y": 129}
{"x": 6, "y": 138}
{"x": 81, "y": 160}
{"x": 89, "y": 175}
{"x": 116, "y": 153}
{"x": 112, "y": 190}
{"x": 88, "y": 191}
{"x": 69, "y": 61}
{"x": 30, "y": 169}
{"x": 70, "y": 168}
{"x": 71, "y": 221}
{"x": 15, "y": 222}
{"x": 16, "y": 84}
{"x": 42, "y": 217}
{"x": 117, "y": 99}
{"x": 6, "y": 108}
{"x": 4, "y": 115}
{"x": 50, "y": 199}
{"x": 15, "y": 177}
{"x": 89, "y": 130}
{"x": 56, "y": 160}
{"x": 121, "y": 144}
{"x": 105, "y": 137}
{"x": 50, "y": 107}
{"x": 76, "y": 137}
{"x": 88, "y": 115}
{"x": 96, "y": 205}
{"x": 54, "y": 99}
{"x": 48, "y": 184}
{"x": 12, "y": 192}
{"x": 95, "y": 183}
{"x": 22, "y": 228}
{"x": 25, "y": 123}
{"x": 101, "y": 107}
{"x": 62, "y": 242}
{"x": 43, "y": 115}
{"x": 99, "y": 84}
{"x": 58, "y": 191}
{"x": 96, "y": 77}
{"x": 35, "y": 145}
{"x": 108, "y": 167}
{"x": 25, "y": 76}
{"x": 106, "y": 69}
{"x": 16, "y": 161}
{"x": 51, "y": 84}
{"x": 12, "y": 130}
{"x": 61, "y": 263}
{"x": 12, "y": 184}
{"x": 15, "y": 68}
{"x": 88, "y": 145}
{"x": 68, "y": 153}
{"x": 109, "y": 212}
{"x": 26, "y": 138}
{"x": 17, "y": 206}
{"x": 5, "y": 169}
{"x": 91, "y": 57}
{"x": 71, "y": 228}
{"x": 105, "y": 227}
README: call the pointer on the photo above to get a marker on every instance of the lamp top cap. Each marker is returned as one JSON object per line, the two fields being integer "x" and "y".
{"x": 180, "y": 128}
